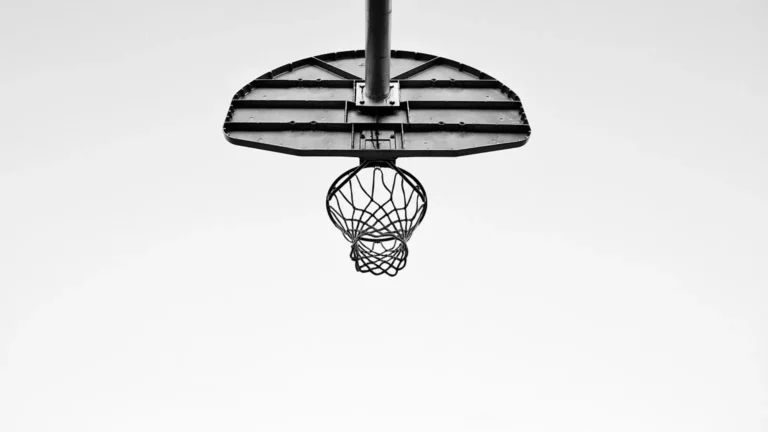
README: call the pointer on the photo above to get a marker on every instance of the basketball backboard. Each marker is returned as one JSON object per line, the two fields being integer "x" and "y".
{"x": 436, "y": 107}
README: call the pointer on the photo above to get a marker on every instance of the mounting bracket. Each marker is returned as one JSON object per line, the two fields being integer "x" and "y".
{"x": 392, "y": 99}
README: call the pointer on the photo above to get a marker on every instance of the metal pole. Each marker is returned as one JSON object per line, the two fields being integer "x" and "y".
{"x": 377, "y": 48}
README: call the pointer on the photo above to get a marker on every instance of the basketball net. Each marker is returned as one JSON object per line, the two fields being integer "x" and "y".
{"x": 377, "y": 206}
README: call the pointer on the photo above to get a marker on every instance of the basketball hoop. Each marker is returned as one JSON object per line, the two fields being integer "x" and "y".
{"x": 377, "y": 206}
{"x": 377, "y": 105}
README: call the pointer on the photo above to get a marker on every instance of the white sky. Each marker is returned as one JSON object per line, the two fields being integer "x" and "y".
{"x": 609, "y": 276}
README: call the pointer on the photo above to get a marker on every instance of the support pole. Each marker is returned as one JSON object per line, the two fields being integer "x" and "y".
{"x": 377, "y": 48}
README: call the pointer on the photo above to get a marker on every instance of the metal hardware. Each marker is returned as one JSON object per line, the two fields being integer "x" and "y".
{"x": 391, "y": 100}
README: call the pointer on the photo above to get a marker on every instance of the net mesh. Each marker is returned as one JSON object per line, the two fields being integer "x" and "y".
{"x": 377, "y": 206}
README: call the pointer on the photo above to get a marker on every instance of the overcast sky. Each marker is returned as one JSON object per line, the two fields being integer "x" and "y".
{"x": 609, "y": 276}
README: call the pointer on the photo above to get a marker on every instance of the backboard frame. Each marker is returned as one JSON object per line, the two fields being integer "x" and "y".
{"x": 443, "y": 138}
